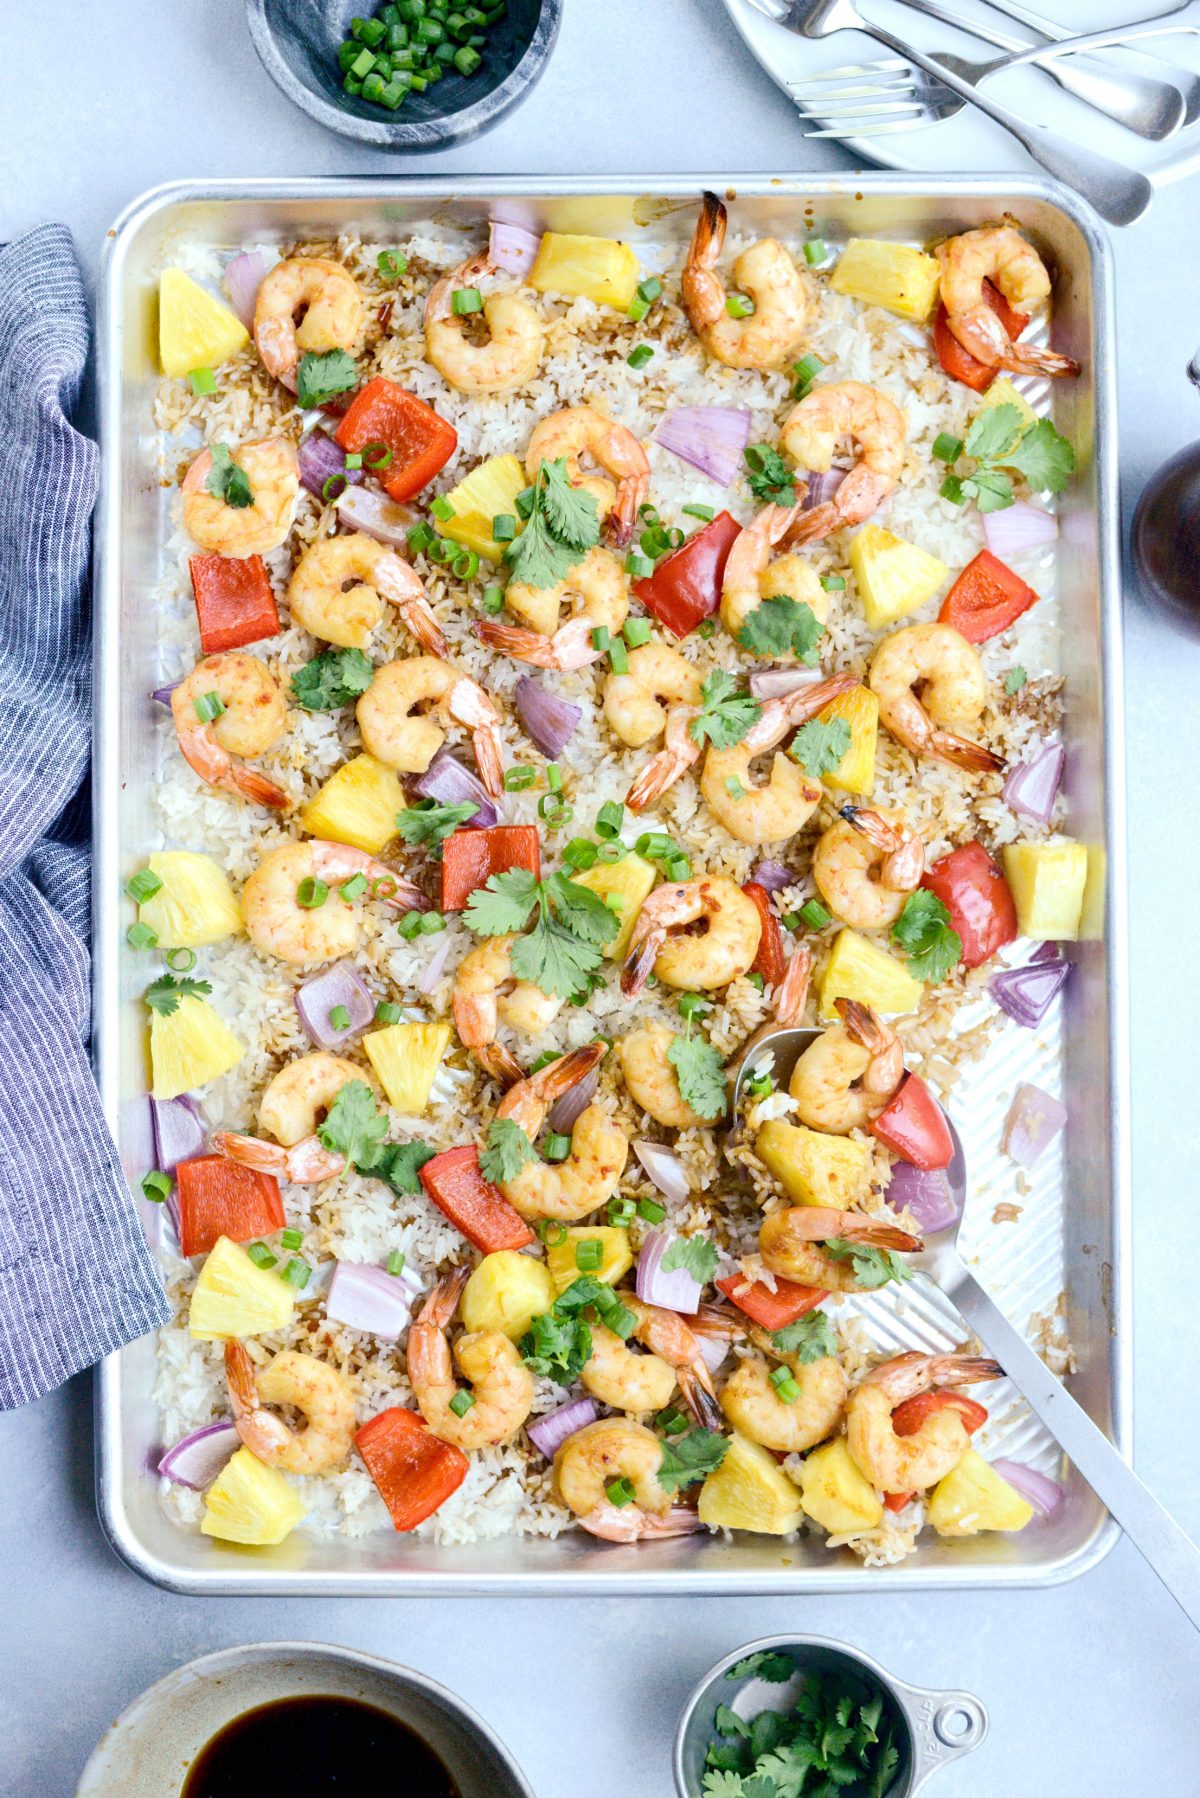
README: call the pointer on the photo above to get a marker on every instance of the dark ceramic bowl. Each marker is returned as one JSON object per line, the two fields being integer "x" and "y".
{"x": 298, "y": 42}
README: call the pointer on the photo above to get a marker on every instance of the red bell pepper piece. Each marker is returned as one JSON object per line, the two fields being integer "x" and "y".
{"x": 685, "y": 588}
{"x": 421, "y": 441}
{"x": 220, "y": 1198}
{"x": 480, "y": 1210}
{"x": 769, "y": 961}
{"x": 986, "y": 598}
{"x": 772, "y": 1310}
{"x": 913, "y": 1125}
{"x": 414, "y": 1470}
{"x": 896, "y": 1501}
{"x": 978, "y": 898}
{"x": 908, "y": 1417}
{"x": 234, "y": 601}
{"x": 958, "y": 363}
{"x": 471, "y": 857}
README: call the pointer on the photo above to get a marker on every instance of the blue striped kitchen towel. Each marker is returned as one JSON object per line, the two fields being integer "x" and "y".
{"x": 76, "y": 1278}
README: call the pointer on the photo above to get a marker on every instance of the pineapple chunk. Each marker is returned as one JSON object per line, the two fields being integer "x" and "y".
{"x": 616, "y": 1258}
{"x": 815, "y": 1169}
{"x": 489, "y": 491}
{"x": 194, "y": 330}
{"x": 888, "y": 274}
{"x": 894, "y": 577}
{"x": 750, "y": 1491}
{"x": 1095, "y": 890}
{"x": 599, "y": 267}
{"x": 194, "y": 906}
{"x": 855, "y": 773}
{"x": 356, "y": 805}
{"x": 506, "y": 1291}
{"x": 189, "y": 1048}
{"x": 834, "y": 1492}
{"x": 1048, "y": 881}
{"x": 1003, "y": 393}
{"x": 859, "y": 969}
{"x": 233, "y": 1297}
{"x": 251, "y": 1503}
{"x": 407, "y": 1057}
{"x": 974, "y": 1497}
{"x": 630, "y": 880}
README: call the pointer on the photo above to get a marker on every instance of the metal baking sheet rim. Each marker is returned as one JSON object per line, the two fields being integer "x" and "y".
{"x": 609, "y": 1570}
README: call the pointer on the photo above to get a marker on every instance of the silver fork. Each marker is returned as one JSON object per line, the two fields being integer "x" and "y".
{"x": 1185, "y": 79}
{"x": 1118, "y": 194}
{"x": 872, "y": 99}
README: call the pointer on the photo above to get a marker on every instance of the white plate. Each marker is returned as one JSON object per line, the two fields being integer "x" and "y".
{"x": 969, "y": 141}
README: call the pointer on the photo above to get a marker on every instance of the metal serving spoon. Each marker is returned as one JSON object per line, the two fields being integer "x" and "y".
{"x": 1153, "y": 1531}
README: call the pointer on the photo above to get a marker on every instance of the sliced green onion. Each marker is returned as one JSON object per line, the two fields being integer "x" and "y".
{"x": 760, "y": 1086}
{"x": 554, "y": 777}
{"x": 833, "y": 583}
{"x": 952, "y": 489}
{"x": 785, "y": 1385}
{"x": 707, "y": 513}
{"x": 467, "y": 60}
{"x": 354, "y": 461}
{"x": 462, "y": 1401}
{"x": 420, "y": 537}
{"x": 947, "y": 447}
{"x": 621, "y": 1213}
{"x": 734, "y": 787}
{"x": 504, "y": 527}
{"x": 311, "y": 893}
{"x": 429, "y": 923}
{"x": 648, "y": 513}
{"x": 618, "y": 656}
{"x": 464, "y": 300}
{"x": 339, "y": 1017}
{"x": 465, "y": 565}
{"x": 639, "y": 355}
{"x": 376, "y": 455}
{"x": 589, "y": 1254}
{"x": 706, "y": 627}
{"x": 391, "y": 266}
{"x": 815, "y": 915}
{"x": 203, "y": 381}
{"x": 524, "y": 502}
{"x": 374, "y": 87}
{"x": 612, "y": 852}
{"x": 692, "y": 1005}
{"x": 362, "y": 65}
{"x": 441, "y": 508}
{"x": 181, "y": 961}
{"x": 354, "y": 888}
{"x": 493, "y": 600}
{"x": 672, "y": 1421}
{"x": 636, "y": 631}
{"x": 261, "y": 1255}
{"x": 554, "y": 812}
{"x": 739, "y": 305}
{"x": 650, "y": 1211}
{"x": 655, "y": 541}
{"x": 756, "y": 980}
{"x": 637, "y": 311}
{"x": 517, "y": 779}
{"x": 815, "y": 251}
{"x": 332, "y": 487}
{"x": 655, "y": 844}
{"x": 296, "y": 1273}
{"x": 143, "y": 885}
{"x": 805, "y": 372}
{"x": 610, "y": 818}
{"x": 550, "y": 1231}
{"x": 619, "y": 1492}
{"x": 409, "y": 926}
{"x": 677, "y": 867}
{"x": 638, "y": 567}
{"x": 650, "y": 289}
{"x": 291, "y": 1239}
{"x": 580, "y": 854}
{"x": 601, "y": 638}
{"x": 156, "y": 1187}
{"x": 209, "y": 707}
{"x": 791, "y": 920}
{"x": 140, "y": 936}
{"x": 351, "y": 85}
{"x": 384, "y": 886}
{"x": 395, "y": 1262}
{"x": 556, "y": 1147}
{"x": 388, "y": 1012}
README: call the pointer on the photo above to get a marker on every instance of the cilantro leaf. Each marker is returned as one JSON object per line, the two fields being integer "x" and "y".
{"x": 872, "y": 1267}
{"x": 556, "y": 1346}
{"x": 399, "y": 1164}
{"x": 562, "y": 950}
{"x": 332, "y": 679}
{"x": 319, "y": 378}
{"x": 1045, "y": 459}
{"x": 508, "y": 1151}
{"x": 728, "y": 1723}
{"x": 503, "y": 903}
{"x": 783, "y": 1772}
{"x": 993, "y": 432}
{"x": 700, "y": 1074}
{"x": 1014, "y": 680}
{"x": 429, "y": 823}
{"x": 227, "y": 480}
{"x": 353, "y": 1125}
{"x": 819, "y": 747}
{"x": 885, "y": 1768}
{"x": 557, "y": 962}
{"x": 686, "y": 1459}
{"x": 990, "y": 488}
{"x": 581, "y": 911}
{"x": 782, "y": 626}
{"x": 768, "y": 1664}
{"x": 810, "y": 1338}
{"x": 726, "y": 714}
{"x": 571, "y": 512}
{"x": 163, "y": 995}
{"x": 695, "y": 1254}
{"x": 932, "y": 949}
{"x": 768, "y": 475}
{"x": 563, "y": 523}
{"x": 721, "y": 1784}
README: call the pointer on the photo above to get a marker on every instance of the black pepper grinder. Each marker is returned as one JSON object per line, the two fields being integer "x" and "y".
{"x": 1166, "y": 533}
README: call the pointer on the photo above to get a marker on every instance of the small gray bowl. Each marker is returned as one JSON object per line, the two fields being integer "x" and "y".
{"x": 932, "y": 1728}
{"x": 298, "y": 40}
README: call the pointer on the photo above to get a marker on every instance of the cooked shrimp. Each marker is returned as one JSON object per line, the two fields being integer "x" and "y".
{"x": 911, "y": 1463}
{"x": 866, "y": 865}
{"x": 580, "y": 430}
{"x": 775, "y": 811}
{"x": 501, "y": 1384}
{"x": 1000, "y": 254}
{"x": 277, "y": 923}
{"x": 252, "y": 718}
{"x": 874, "y": 423}
{"x": 790, "y": 1243}
{"x": 590, "y": 1175}
{"x": 326, "y": 299}
{"x": 725, "y": 949}
{"x": 338, "y": 587}
{"x": 396, "y": 733}
{"x": 600, "y": 586}
{"x": 627, "y": 1523}
{"x": 486, "y": 993}
{"x": 273, "y": 472}
{"x": 752, "y": 576}
{"x": 775, "y": 329}
{"x": 846, "y": 1076}
{"x": 679, "y": 751}
{"x": 616, "y": 1448}
{"x": 635, "y": 704}
{"x": 651, "y": 1080}
{"x": 513, "y": 351}
{"x": 753, "y": 1404}
{"x": 939, "y": 663}
{"x": 312, "y": 1386}
{"x": 631, "y": 1382}
{"x": 293, "y": 1105}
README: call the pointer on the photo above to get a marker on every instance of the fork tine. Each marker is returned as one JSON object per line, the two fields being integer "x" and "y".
{"x": 844, "y": 117}
{"x": 801, "y": 92}
{"x": 887, "y": 65}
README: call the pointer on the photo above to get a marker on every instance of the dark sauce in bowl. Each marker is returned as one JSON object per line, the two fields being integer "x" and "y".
{"x": 316, "y": 1748}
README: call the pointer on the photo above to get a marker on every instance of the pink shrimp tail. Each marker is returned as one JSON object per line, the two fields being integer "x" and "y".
{"x": 499, "y": 1062}
{"x": 793, "y": 989}
{"x": 639, "y": 965}
{"x": 816, "y": 523}
{"x": 424, "y": 627}
{"x": 627, "y": 1524}
{"x": 239, "y": 1378}
{"x": 516, "y": 641}
{"x": 257, "y": 787}
{"x": 963, "y": 754}
{"x": 250, "y": 1151}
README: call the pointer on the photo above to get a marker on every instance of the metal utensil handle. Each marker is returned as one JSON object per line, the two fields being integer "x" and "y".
{"x": 944, "y": 1725}
{"x": 1116, "y": 37}
{"x": 1171, "y": 1554}
{"x": 1118, "y": 194}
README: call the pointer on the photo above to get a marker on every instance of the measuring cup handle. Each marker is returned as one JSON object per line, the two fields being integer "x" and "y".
{"x": 944, "y": 1725}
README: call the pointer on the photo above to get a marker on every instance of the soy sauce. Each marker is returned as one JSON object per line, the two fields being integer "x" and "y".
{"x": 317, "y": 1748}
{"x": 1166, "y": 534}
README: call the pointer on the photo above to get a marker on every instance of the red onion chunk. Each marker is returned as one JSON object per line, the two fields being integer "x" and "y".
{"x": 1047, "y": 952}
{"x": 773, "y": 876}
{"x": 369, "y": 1298}
{"x": 163, "y": 694}
{"x": 777, "y": 683}
{"x": 822, "y": 487}
{"x": 674, "y": 1290}
{"x": 1032, "y": 787}
{"x": 550, "y": 721}
{"x": 451, "y": 782}
{"x": 548, "y": 1433}
{"x": 713, "y": 1350}
{"x": 179, "y": 1131}
{"x": 711, "y": 438}
{"x": 320, "y": 458}
{"x": 1018, "y": 529}
{"x": 664, "y": 1169}
{"x": 1038, "y": 1489}
{"x": 1034, "y": 1120}
{"x": 512, "y": 247}
{"x": 565, "y": 1112}
{"x": 198, "y": 1459}
{"x": 339, "y": 985}
{"x": 432, "y": 972}
{"x": 925, "y": 1192}
{"x": 243, "y": 278}
{"x": 1027, "y": 993}
{"x": 368, "y": 510}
